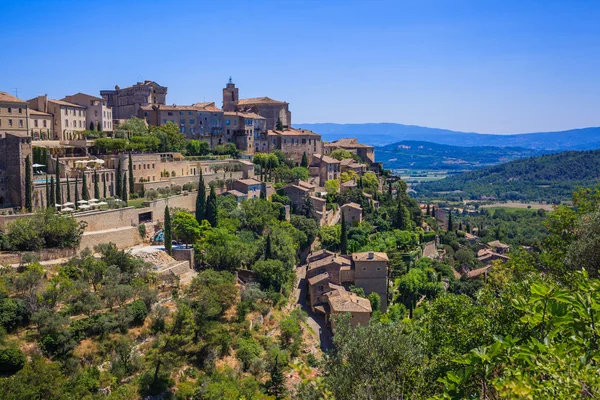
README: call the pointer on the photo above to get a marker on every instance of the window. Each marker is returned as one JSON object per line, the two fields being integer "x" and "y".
{"x": 9, "y": 110}
{"x": 20, "y": 123}
{"x": 190, "y": 113}
{"x": 170, "y": 113}
{"x": 10, "y": 122}
{"x": 164, "y": 121}
{"x": 95, "y": 113}
{"x": 20, "y": 111}
{"x": 80, "y": 121}
{"x": 227, "y": 122}
{"x": 303, "y": 141}
{"x": 104, "y": 123}
{"x": 152, "y": 165}
{"x": 145, "y": 113}
{"x": 192, "y": 122}
{"x": 182, "y": 121}
{"x": 80, "y": 113}
{"x": 154, "y": 99}
{"x": 180, "y": 112}
{"x": 35, "y": 123}
{"x": 44, "y": 123}
{"x": 66, "y": 111}
{"x": 66, "y": 123}
{"x": 104, "y": 114}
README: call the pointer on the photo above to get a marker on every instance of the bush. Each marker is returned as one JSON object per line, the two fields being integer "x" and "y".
{"x": 13, "y": 314}
{"x": 138, "y": 311}
{"x": 151, "y": 194}
{"x": 12, "y": 360}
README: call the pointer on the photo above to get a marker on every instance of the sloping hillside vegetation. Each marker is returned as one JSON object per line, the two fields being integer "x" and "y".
{"x": 549, "y": 178}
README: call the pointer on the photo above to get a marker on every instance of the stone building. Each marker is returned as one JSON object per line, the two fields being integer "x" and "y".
{"x": 99, "y": 114}
{"x": 272, "y": 110}
{"x": 329, "y": 276}
{"x": 365, "y": 152}
{"x": 371, "y": 273}
{"x": 40, "y": 125}
{"x": 249, "y": 187}
{"x": 243, "y": 129}
{"x": 14, "y": 148}
{"x": 68, "y": 119}
{"x": 298, "y": 191}
{"x": 328, "y": 168}
{"x": 126, "y": 102}
{"x": 352, "y": 213}
{"x": 13, "y": 114}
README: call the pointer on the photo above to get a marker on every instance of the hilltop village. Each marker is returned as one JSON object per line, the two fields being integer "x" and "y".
{"x": 220, "y": 247}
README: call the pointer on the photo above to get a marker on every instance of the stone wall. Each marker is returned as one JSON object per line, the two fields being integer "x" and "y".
{"x": 109, "y": 219}
{"x": 122, "y": 237}
{"x": 182, "y": 180}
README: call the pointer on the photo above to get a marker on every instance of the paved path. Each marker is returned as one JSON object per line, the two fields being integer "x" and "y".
{"x": 316, "y": 322}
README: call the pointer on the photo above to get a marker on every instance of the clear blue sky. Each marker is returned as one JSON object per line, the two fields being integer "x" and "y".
{"x": 483, "y": 66}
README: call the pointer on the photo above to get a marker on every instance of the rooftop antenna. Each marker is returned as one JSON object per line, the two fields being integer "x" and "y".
{"x": 17, "y": 91}
{"x": 230, "y": 81}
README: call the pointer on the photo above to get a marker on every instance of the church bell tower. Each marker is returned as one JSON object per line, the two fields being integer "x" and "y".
{"x": 230, "y": 96}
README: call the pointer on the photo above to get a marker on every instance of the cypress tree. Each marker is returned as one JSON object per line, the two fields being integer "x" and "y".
{"x": 344, "y": 236}
{"x": 450, "y": 224}
{"x": 68, "y": 189}
{"x": 279, "y": 126}
{"x": 304, "y": 162}
{"x": 460, "y": 227}
{"x": 276, "y": 385}
{"x": 104, "y": 187}
{"x": 91, "y": 125}
{"x": 96, "y": 185}
{"x": 28, "y": 185}
{"x": 268, "y": 249}
{"x": 263, "y": 193}
{"x": 58, "y": 191}
{"x": 131, "y": 177}
{"x": 201, "y": 200}
{"x": 211, "y": 208}
{"x": 390, "y": 189}
{"x": 118, "y": 183}
{"x": 124, "y": 189}
{"x": 76, "y": 191}
{"x": 402, "y": 217}
{"x": 167, "y": 232}
{"x": 52, "y": 192}
{"x": 84, "y": 189}
{"x": 433, "y": 211}
{"x": 428, "y": 210}
{"x": 47, "y": 193}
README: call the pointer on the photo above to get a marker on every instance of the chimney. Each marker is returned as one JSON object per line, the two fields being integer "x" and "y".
{"x": 371, "y": 255}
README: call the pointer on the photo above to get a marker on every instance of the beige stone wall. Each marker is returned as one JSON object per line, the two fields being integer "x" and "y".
{"x": 13, "y": 117}
{"x": 353, "y": 216}
{"x": 123, "y": 237}
{"x": 372, "y": 277}
{"x": 356, "y": 318}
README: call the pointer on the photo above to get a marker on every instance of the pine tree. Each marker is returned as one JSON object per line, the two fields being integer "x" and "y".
{"x": 211, "y": 208}
{"x": 167, "y": 232}
{"x": 118, "y": 183}
{"x": 68, "y": 190}
{"x": 124, "y": 189}
{"x": 28, "y": 185}
{"x": 402, "y": 217}
{"x": 344, "y": 236}
{"x": 201, "y": 200}
{"x": 96, "y": 185}
{"x": 52, "y": 192}
{"x": 268, "y": 249}
{"x": 47, "y": 193}
{"x": 84, "y": 188}
{"x": 58, "y": 191}
{"x": 304, "y": 162}
{"x": 131, "y": 177}
{"x": 450, "y": 224}
{"x": 276, "y": 385}
{"x": 76, "y": 191}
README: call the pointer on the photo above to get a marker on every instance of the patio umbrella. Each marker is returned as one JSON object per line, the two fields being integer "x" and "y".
{"x": 92, "y": 200}
{"x": 82, "y": 201}
{"x": 84, "y": 206}
{"x": 68, "y": 204}
{"x": 67, "y": 209}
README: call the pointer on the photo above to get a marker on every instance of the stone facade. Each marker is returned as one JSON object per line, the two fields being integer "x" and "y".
{"x": 352, "y": 214}
{"x": 40, "y": 125}
{"x": 271, "y": 110}
{"x": 126, "y": 102}
{"x": 329, "y": 168}
{"x": 99, "y": 114}
{"x": 14, "y": 149}
{"x": 365, "y": 152}
{"x": 68, "y": 119}
{"x": 13, "y": 114}
{"x": 370, "y": 273}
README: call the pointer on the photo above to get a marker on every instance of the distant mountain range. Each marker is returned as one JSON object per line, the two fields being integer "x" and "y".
{"x": 551, "y": 177}
{"x": 380, "y": 134}
{"x": 422, "y": 155}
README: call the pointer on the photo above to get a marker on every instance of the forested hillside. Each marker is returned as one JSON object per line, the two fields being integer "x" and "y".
{"x": 410, "y": 154}
{"x": 550, "y": 178}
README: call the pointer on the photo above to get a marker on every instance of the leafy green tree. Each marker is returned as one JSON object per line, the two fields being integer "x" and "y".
{"x": 186, "y": 228}
{"x": 271, "y": 274}
{"x": 167, "y": 232}
{"x": 38, "y": 379}
{"x": 332, "y": 186}
{"x": 330, "y": 237}
{"x": 211, "y": 208}
{"x": 369, "y": 182}
{"x": 28, "y": 185}
{"x": 201, "y": 199}
{"x": 375, "y": 301}
{"x": 343, "y": 236}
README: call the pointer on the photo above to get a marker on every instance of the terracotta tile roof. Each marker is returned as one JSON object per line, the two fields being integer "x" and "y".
{"x": 236, "y": 193}
{"x": 326, "y": 159}
{"x": 341, "y": 301}
{"x": 306, "y": 185}
{"x": 65, "y": 103}
{"x": 318, "y": 255}
{"x": 377, "y": 256}
{"x": 36, "y": 112}
{"x": 476, "y": 272}
{"x": 352, "y": 205}
{"x": 350, "y": 143}
{"x": 331, "y": 259}
{"x": 249, "y": 181}
{"x": 303, "y": 189}
{"x": 259, "y": 100}
{"x": 294, "y": 132}
{"x": 10, "y": 98}
{"x": 318, "y": 278}
{"x": 497, "y": 243}
{"x": 250, "y": 115}
{"x": 86, "y": 95}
